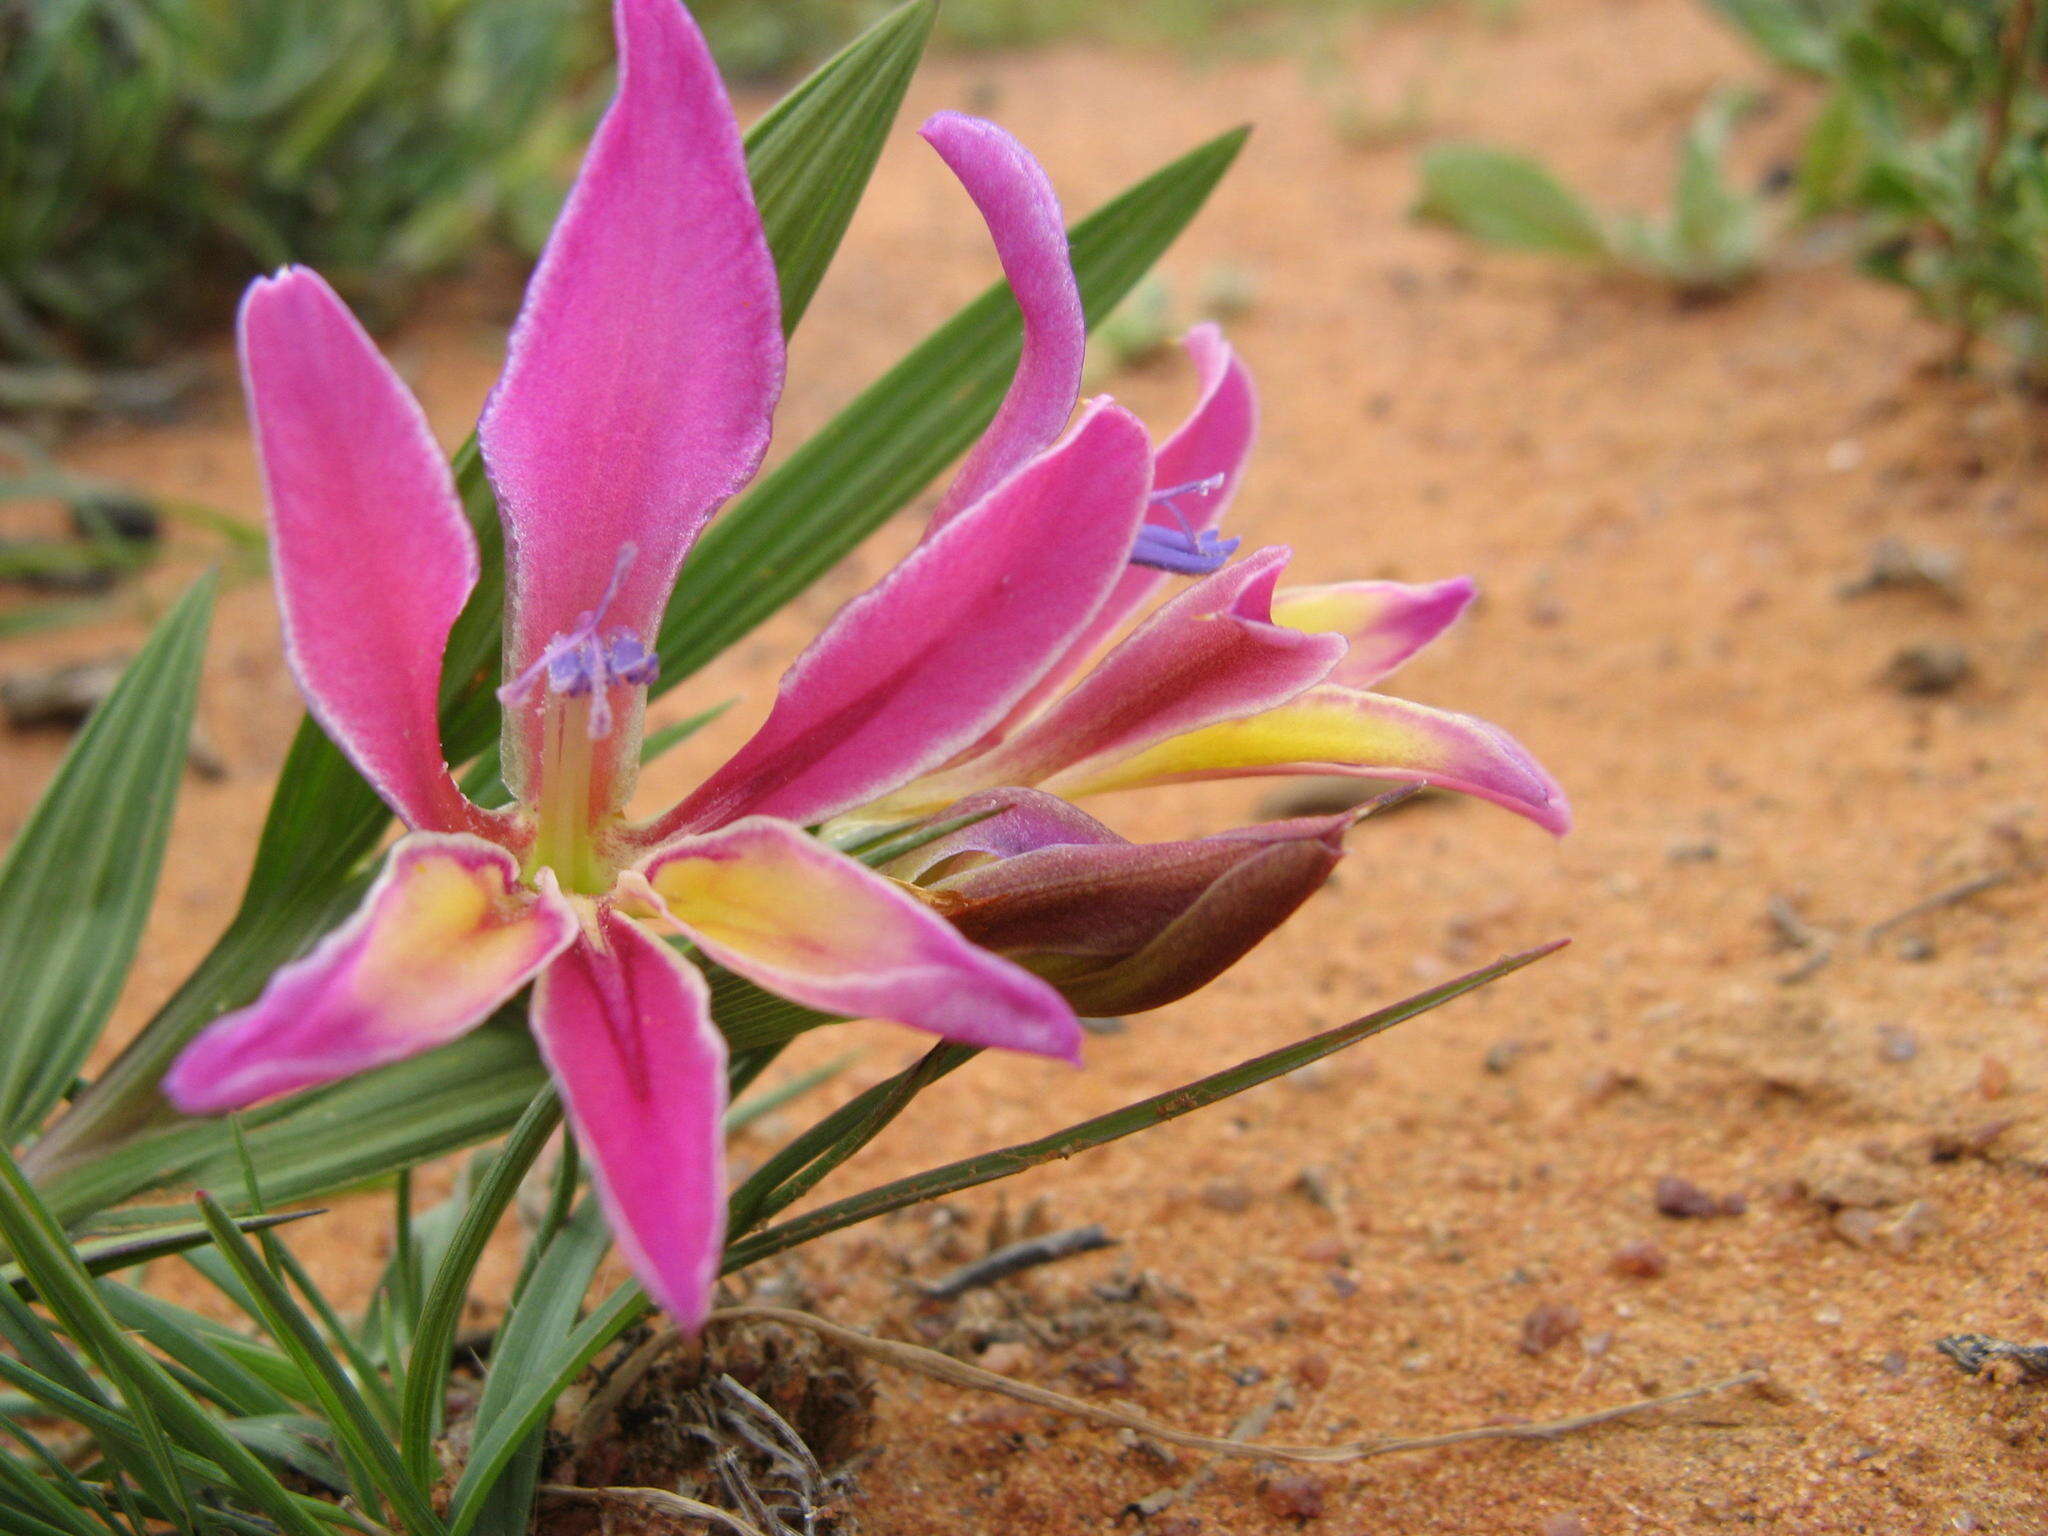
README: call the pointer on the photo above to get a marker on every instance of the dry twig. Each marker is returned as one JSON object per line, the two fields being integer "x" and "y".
{"x": 1015, "y": 1258}
{"x": 1948, "y": 898}
{"x": 929, "y": 1362}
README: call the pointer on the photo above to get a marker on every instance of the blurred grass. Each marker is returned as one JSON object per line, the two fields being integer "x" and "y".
{"x": 155, "y": 153}
{"x": 763, "y": 38}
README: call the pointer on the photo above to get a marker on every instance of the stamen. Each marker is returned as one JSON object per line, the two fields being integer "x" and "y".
{"x": 583, "y": 661}
{"x": 1182, "y": 550}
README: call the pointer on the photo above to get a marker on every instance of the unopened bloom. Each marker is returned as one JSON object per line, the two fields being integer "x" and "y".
{"x": 1119, "y": 927}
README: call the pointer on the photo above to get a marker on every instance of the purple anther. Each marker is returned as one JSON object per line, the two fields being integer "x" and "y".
{"x": 582, "y": 661}
{"x": 1182, "y": 550}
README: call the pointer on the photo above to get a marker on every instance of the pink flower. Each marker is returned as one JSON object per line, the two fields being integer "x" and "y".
{"x": 636, "y": 397}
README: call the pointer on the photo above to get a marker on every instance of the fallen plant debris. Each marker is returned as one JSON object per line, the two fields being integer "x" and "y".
{"x": 943, "y": 1367}
{"x": 1976, "y": 1354}
{"x": 1015, "y": 1258}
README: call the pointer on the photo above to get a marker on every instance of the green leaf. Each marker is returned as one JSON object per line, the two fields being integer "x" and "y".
{"x": 105, "y": 1255}
{"x": 353, "y": 1132}
{"x": 161, "y": 1413}
{"x": 786, "y": 1176}
{"x": 814, "y": 150}
{"x": 531, "y": 1392}
{"x": 544, "y": 1382}
{"x": 745, "y": 1113}
{"x": 292, "y": 1440}
{"x": 426, "y": 1374}
{"x": 77, "y": 884}
{"x": 1508, "y": 200}
{"x": 180, "y": 1336}
{"x": 1795, "y": 34}
{"x": 495, "y": 1496}
{"x": 342, "y": 1405}
{"x": 1143, "y": 1115}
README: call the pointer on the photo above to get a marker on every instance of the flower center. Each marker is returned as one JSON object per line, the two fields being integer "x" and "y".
{"x": 1183, "y": 550}
{"x": 584, "y": 662}
{"x": 575, "y": 674}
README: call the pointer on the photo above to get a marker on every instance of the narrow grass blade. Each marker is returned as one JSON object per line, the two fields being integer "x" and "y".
{"x": 813, "y": 151}
{"x": 1143, "y": 1115}
{"x": 229, "y": 1383}
{"x": 107, "y": 1255}
{"x": 77, "y": 884}
{"x": 155, "y": 1402}
{"x": 541, "y": 1319}
{"x": 426, "y": 1373}
{"x": 782, "y": 1180}
{"x": 532, "y": 1395}
{"x": 740, "y": 1116}
{"x": 357, "y": 1431}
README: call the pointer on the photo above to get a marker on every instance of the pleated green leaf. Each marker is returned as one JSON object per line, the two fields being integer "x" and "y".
{"x": 77, "y": 884}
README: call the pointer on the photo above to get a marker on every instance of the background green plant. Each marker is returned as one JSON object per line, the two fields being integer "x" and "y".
{"x": 1709, "y": 242}
{"x": 1933, "y": 139}
{"x": 156, "y": 153}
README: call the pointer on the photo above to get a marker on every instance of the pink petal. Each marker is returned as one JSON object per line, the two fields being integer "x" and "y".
{"x": 1216, "y": 439}
{"x": 1023, "y": 215}
{"x": 1024, "y": 820}
{"x": 445, "y": 935}
{"x": 790, "y": 914}
{"x": 1337, "y": 730}
{"x": 372, "y": 555}
{"x": 645, "y": 365}
{"x": 924, "y": 662}
{"x": 1386, "y": 622}
{"x": 626, "y": 1029}
{"x": 1211, "y": 654}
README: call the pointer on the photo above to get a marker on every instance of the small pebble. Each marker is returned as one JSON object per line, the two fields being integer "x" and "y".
{"x": 1502, "y": 1055}
{"x": 1313, "y": 1372}
{"x": 1293, "y": 1496}
{"x": 1639, "y": 1259}
{"x": 1896, "y": 1044}
{"x": 1682, "y": 1198}
{"x": 1915, "y": 948}
{"x": 1229, "y": 1197}
{"x": 1994, "y": 1078}
{"x": 1548, "y": 1324}
{"x": 1934, "y": 667}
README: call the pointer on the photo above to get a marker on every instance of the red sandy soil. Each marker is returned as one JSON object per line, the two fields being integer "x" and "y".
{"x": 1661, "y": 503}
